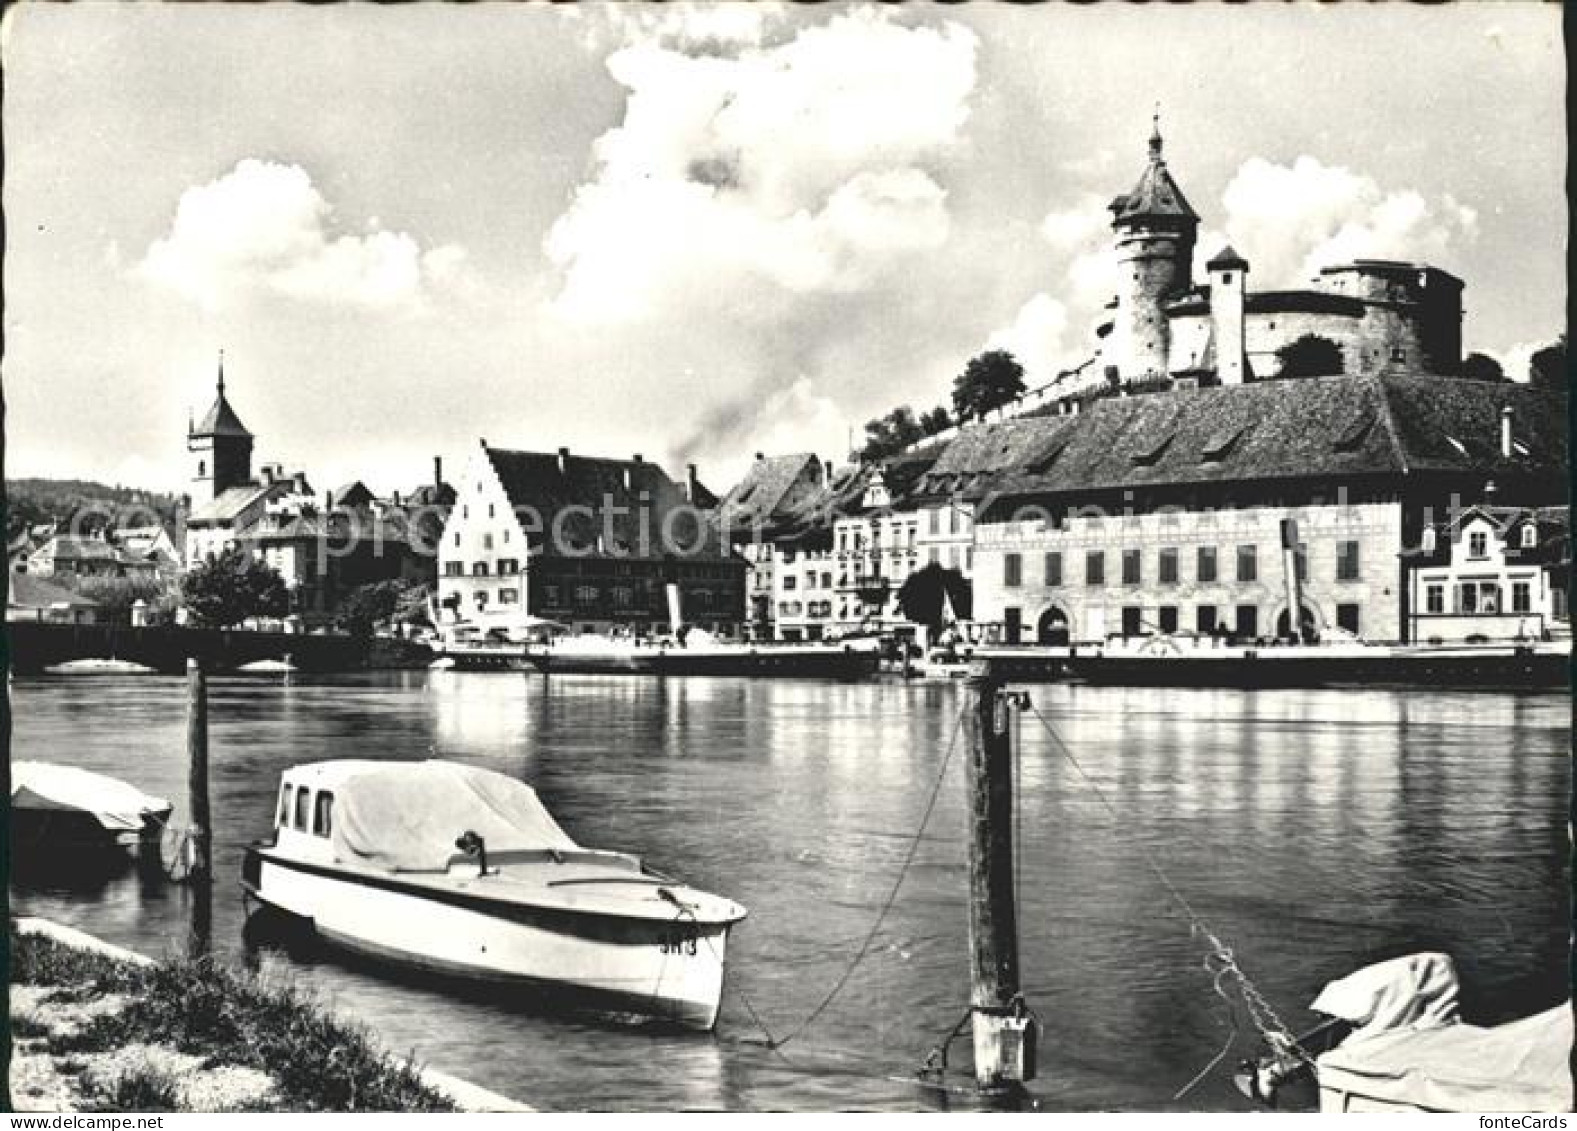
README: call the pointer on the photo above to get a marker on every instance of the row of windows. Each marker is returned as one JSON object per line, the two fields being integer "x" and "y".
{"x": 1208, "y": 620}
{"x": 505, "y": 597}
{"x": 806, "y": 608}
{"x": 957, "y": 522}
{"x": 855, "y": 539}
{"x": 507, "y": 567}
{"x": 1478, "y": 598}
{"x": 296, "y": 807}
{"x": 1168, "y": 569}
{"x": 487, "y": 538}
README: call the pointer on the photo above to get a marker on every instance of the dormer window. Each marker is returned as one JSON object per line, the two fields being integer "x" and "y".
{"x": 1477, "y": 544}
{"x": 1530, "y": 536}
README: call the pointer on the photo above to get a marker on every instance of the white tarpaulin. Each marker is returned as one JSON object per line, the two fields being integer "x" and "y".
{"x": 1410, "y": 1050}
{"x": 406, "y": 816}
{"x": 40, "y": 786}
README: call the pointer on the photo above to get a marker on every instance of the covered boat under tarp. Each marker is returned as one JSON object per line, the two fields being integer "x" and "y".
{"x": 403, "y": 817}
{"x": 1410, "y": 1051}
{"x": 66, "y": 807}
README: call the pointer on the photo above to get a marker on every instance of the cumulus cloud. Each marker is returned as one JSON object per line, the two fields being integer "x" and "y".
{"x": 1291, "y": 220}
{"x": 1037, "y": 336}
{"x": 801, "y": 166}
{"x": 264, "y": 227}
{"x": 784, "y": 191}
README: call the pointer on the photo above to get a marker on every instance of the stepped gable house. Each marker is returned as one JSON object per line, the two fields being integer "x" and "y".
{"x": 1385, "y": 316}
{"x": 587, "y": 542}
{"x": 1167, "y": 512}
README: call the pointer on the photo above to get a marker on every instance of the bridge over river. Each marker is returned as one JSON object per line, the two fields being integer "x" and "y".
{"x": 33, "y": 646}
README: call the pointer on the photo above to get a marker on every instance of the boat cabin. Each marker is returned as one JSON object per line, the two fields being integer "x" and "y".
{"x": 304, "y": 811}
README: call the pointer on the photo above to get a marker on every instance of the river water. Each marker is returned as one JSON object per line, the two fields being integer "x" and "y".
{"x": 1315, "y": 830}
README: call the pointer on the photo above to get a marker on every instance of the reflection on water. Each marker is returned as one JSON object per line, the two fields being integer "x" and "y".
{"x": 1316, "y": 830}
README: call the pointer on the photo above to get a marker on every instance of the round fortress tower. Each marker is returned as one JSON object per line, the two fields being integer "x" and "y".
{"x": 1154, "y": 229}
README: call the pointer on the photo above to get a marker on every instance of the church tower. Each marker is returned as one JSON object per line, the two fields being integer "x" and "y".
{"x": 220, "y": 449}
{"x": 1154, "y": 230}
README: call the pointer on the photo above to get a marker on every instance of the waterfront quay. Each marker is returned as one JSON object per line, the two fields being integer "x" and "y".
{"x": 1317, "y": 831}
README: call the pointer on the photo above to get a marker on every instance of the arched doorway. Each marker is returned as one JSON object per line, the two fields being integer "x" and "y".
{"x": 1053, "y": 629}
{"x": 1309, "y": 622}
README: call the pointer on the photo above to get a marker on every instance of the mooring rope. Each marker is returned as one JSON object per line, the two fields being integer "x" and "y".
{"x": 1220, "y": 962}
{"x": 892, "y": 897}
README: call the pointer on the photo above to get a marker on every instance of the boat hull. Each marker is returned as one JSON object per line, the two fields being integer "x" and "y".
{"x": 668, "y": 970}
{"x": 758, "y": 663}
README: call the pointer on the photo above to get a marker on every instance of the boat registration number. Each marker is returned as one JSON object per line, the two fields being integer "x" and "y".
{"x": 678, "y": 942}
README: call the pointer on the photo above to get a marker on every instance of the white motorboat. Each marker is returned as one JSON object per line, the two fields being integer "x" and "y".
{"x": 65, "y": 808}
{"x": 462, "y": 871}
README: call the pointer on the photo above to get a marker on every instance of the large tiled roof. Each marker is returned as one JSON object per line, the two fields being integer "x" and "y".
{"x": 68, "y": 548}
{"x": 1320, "y": 427}
{"x": 764, "y": 494}
{"x": 229, "y": 503}
{"x": 979, "y": 452}
{"x": 638, "y": 514}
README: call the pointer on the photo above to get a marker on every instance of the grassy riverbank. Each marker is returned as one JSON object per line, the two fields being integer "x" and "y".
{"x": 97, "y": 1033}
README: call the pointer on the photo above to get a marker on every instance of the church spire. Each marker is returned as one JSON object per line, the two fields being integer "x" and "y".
{"x": 221, "y": 372}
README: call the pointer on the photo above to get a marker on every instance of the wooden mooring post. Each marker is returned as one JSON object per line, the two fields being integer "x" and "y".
{"x": 1004, "y": 1033}
{"x": 199, "y": 845}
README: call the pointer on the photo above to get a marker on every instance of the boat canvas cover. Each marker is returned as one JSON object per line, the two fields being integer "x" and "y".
{"x": 1409, "y": 1048}
{"x": 405, "y": 817}
{"x": 40, "y": 786}
{"x": 1520, "y": 1066}
{"x": 1418, "y": 991}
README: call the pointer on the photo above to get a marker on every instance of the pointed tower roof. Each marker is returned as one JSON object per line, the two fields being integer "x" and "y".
{"x": 221, "y": 419}
{"x": 1227, "y": 258}
{"x": 1156, "y": 194}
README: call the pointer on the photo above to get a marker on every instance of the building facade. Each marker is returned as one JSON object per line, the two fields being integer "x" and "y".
{"x": 1218, "y": 511}
{"x": 588, "y": 543}
{"x": 1492, "y": 574}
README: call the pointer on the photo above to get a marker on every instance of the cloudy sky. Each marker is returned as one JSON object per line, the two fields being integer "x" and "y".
{"x": 698, "y": 232}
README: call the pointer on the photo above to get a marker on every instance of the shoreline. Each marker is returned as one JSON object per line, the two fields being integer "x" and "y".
{"x": 55, "y": 1068}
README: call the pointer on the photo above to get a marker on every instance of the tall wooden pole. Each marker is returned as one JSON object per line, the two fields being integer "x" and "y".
{"x": 200, "y": 874}
{"x": 1004, "y": 1037}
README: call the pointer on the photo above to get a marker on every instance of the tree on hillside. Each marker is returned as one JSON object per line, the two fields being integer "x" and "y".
{"x": 937, "y": 420}
{"x": 989, "y": 381}
{"x": 1547, "y": 367}
{"x": 1482, "y": 367}
{"x": 890, "y": 434}
{"x": 921, "y": 597}
{"x": 1310, "y": 356}
{"x": 226, "y": 590}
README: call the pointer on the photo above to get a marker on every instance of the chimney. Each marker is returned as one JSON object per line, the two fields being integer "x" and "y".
{"x": 690, "y": 483}
{"x": 827, "y": 467}
{"x": 328, "y": 501}
{"x": 760, "y": 457}
{"x": 563, "y": 461}
{"x": 268, "y": 475}
{"x": 438, "y": 471}
{"x": 299, "y": 481}
{"x": 1506, "y": 450}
